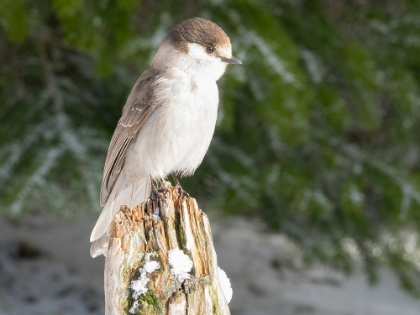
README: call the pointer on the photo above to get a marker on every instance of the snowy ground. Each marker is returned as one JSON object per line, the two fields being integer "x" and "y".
{"x": 45, "y": 269}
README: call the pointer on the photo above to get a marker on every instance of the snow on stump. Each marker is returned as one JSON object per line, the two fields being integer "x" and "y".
{"x": 161, "y": 260}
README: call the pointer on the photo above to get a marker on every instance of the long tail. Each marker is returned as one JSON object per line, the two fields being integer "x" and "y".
{"x": 123, "y": 193}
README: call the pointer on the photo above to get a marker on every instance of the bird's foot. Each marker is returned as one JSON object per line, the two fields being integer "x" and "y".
{"x": 158, "y": 194}
{"x": 181, "y": 191}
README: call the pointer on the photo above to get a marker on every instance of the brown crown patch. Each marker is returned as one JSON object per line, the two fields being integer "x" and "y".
{"x": 199, "y": 31}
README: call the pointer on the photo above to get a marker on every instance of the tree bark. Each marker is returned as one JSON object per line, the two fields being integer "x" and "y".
{"x": 161, "y": 260}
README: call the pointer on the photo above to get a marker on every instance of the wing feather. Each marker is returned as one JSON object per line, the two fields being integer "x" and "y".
{"x": 138, "y": 108}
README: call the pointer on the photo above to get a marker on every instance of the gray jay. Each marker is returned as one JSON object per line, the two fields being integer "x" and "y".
{"x": 168, "y": 120}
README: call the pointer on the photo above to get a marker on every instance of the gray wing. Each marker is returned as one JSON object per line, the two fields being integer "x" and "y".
{"x": 140, "y": 105}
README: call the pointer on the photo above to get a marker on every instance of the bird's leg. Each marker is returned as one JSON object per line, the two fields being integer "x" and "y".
{"x": 158, "y": 192}
{"x": 178, "y": 186}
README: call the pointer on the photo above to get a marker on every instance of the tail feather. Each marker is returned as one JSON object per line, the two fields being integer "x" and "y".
{"x": 140, "y": 191}
{"x": 123, "y": 193}
{"x": 99, "y": 246}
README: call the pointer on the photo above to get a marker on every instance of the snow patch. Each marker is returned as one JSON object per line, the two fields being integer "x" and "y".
{"x": 139, "y": 286}
{"x": 225, "y": 284}
{"x": 151, "y": 266}
{"x": 156, "y": 214}
{"x": 181, "y": 264}
{"x": 133, "y": 307}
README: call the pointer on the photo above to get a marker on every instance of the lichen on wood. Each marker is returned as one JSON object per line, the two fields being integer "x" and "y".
{"x": 149, "y": 233}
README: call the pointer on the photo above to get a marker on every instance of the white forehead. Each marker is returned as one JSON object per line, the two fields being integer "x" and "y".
{"x": 225, "y": 51}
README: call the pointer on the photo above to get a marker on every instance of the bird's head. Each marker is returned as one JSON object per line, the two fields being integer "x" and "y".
{"x": 197, "y": 46}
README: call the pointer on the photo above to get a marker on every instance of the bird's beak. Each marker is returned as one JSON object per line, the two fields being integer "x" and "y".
{"x": 233, "y": 61}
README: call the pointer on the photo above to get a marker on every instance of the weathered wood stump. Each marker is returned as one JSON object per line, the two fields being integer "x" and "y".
{"x": 161, "y": 260}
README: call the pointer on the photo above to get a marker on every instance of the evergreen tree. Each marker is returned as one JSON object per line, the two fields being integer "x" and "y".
{"x": 317, "y": 134}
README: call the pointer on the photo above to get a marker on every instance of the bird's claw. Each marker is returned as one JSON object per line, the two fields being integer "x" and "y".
{"x": 159, "y": 194}
{"x": 182, "y": 193}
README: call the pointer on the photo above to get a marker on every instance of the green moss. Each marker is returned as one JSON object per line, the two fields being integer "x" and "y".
{"x": 182, "y": 239}
{"x": 180, "y": 233}
{"x": 152, "y": 303}
{"x": 148, "y": 304}
{"x": 149, "y": 299}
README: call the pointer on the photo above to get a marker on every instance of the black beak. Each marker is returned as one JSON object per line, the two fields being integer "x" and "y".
{"x": 233, "y": 61}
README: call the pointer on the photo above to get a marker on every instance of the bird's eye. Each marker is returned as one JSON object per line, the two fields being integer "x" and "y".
{"x": 210, "y": 49}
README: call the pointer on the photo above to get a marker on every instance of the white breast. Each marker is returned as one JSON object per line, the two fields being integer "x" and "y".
{"x": 178, "y": 133}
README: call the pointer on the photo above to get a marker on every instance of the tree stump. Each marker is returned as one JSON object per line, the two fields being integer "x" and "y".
{"x": 161, "y": 260}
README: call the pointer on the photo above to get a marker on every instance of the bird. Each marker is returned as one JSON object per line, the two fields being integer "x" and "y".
{"x": 168, "y": 120}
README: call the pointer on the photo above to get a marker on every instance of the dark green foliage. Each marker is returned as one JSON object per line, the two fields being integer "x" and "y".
{"x": 318, "y": 131}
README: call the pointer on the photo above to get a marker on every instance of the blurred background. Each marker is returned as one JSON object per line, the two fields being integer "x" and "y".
{"x": 316, "y": 152}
